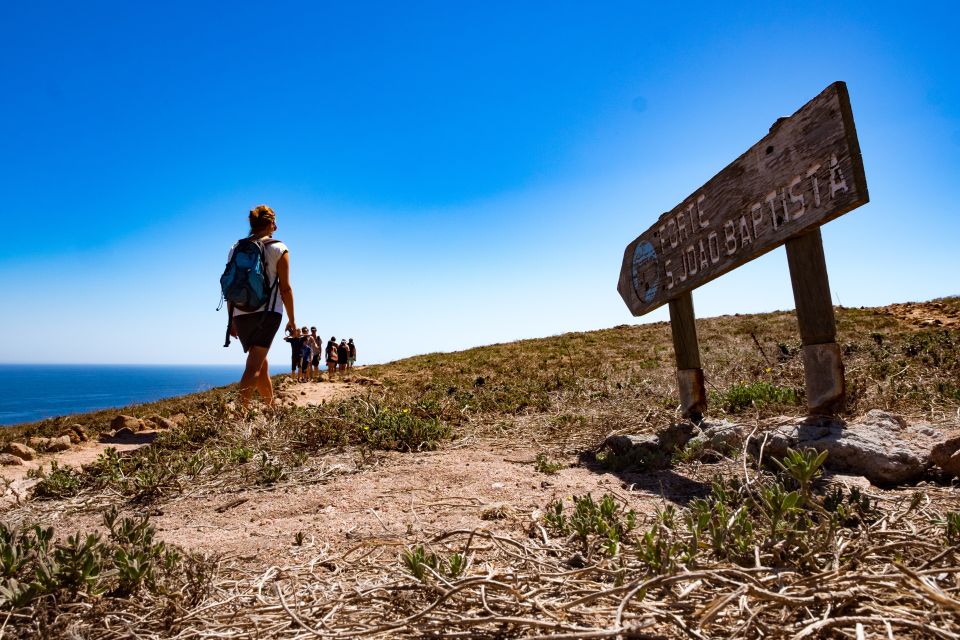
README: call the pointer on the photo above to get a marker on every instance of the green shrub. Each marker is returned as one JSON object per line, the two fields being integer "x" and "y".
{"x": 741, "y": 397}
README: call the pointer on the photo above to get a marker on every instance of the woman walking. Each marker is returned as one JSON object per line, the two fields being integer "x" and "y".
{"x": 256, "y": 329}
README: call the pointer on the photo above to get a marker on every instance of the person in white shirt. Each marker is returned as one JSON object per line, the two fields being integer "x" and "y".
{"x": 256, "y": 329}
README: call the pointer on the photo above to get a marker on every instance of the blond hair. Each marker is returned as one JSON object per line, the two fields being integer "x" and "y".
{"x": 261, "y": 218}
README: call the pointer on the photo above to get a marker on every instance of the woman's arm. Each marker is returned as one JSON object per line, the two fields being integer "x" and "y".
{"x": 286, "y": 291}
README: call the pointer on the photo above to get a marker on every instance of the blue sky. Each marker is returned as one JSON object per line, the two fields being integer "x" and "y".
{"x": 446, "y": 174}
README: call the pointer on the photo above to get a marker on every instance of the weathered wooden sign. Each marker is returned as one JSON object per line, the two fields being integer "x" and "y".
{"x": 805, "y": 172}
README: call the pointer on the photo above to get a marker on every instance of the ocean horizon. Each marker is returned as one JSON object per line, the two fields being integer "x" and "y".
{"x": 33, "y": 392}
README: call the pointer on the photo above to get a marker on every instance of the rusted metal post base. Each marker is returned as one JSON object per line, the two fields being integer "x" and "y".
{"x": 823, "y": 378}
{"x": 693, "y": 396}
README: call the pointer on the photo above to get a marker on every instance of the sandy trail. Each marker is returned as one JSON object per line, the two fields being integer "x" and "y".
{"x": 390, "y": 501}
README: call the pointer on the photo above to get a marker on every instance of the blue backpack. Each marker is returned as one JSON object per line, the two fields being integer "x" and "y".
{"x": 244, "y": 281}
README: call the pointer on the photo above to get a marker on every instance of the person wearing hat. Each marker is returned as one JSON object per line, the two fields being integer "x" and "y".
{"x": 332, "y": 357}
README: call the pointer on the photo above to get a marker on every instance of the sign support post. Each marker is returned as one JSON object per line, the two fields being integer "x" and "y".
{"x": 822, "y": 360}
{"x": 693, "y": 394}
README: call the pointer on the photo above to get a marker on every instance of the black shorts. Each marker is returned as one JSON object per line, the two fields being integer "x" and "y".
{"x": 257, "y": 329}
{"x": 316, "y": 360}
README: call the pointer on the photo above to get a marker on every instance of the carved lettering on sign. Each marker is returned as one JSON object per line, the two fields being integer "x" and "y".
{"x": 805, "y": 172}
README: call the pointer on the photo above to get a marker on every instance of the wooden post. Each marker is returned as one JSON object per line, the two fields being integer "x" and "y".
{"x": 693, "y": 395}
{"x": 822, "y": 360}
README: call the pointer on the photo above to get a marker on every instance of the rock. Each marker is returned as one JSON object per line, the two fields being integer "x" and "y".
{"x": 676, "y": 436}
{"x": 653, "y": 447}
{"x": 178, "y": 418}
{"x": 722, "y": 437}
{"x": 61, "y": 443}
{"x": 22, "y": 451}
{"x": 129, "y": 422}
{"x": 160, "y": 422}
{"x": 79, "y": 431}
{"x": 10, "y": 460}
{"x": 880, "y": 445}
{"x": 621, "y": 445}
{"x": 946, "y": 455}
{"x": 123, "y": 432}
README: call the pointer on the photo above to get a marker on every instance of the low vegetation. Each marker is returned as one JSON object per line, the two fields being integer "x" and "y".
{"x": 743, "y": 549}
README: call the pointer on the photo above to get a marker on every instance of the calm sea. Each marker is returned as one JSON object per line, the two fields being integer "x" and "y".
{"x": 34, "y": 392}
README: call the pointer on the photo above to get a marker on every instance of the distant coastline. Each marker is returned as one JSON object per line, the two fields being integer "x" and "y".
{"x": 35, "y": 392}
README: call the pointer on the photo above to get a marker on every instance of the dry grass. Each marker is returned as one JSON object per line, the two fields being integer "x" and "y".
{"x": 894, "y": 571}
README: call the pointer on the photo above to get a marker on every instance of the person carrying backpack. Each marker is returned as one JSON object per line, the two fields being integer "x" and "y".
{"x": 256, "y": 287}
{"x": 331, "y": 353}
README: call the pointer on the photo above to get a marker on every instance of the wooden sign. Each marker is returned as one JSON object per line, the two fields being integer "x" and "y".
{"x": 805, "y": 172}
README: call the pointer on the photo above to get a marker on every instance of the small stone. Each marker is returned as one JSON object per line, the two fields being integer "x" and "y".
{"x": 74, "y": 438}
{"x": 10, "y": 460}
{"x": 160, "y": 422}
{"x": 62, "y": 443}
{"x": 623, "y": 444}
{"x": 946, "y": 455}
{"x": 576, "y": 561}
{"x": 105, "y": 436}
{"x": 676, "y": 436}
{"x": 22, "y": 451}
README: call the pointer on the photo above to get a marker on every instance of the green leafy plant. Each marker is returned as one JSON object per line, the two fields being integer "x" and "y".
{"x": 740, "y": 397}
{"x": 803, "y": 467}
{"x": 58, "y": 482}
{"x": 269, "y": 471}
{"x": 952, "y": 527}
{"x": 544, "y": 465}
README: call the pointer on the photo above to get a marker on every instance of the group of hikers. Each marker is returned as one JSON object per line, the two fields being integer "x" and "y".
{"x": 256, "y": 287}
{"x": 305, "y": 355}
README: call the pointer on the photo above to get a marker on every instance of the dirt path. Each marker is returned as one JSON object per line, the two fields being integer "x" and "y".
{"x": 316, "y": 393}
{"x": 394, "y": 500}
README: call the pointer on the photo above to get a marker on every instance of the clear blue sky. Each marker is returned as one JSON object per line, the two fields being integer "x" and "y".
{"x": 446, "y": 174}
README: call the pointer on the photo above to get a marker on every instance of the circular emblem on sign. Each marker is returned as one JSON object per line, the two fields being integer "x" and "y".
{"x": 646, "y": 271}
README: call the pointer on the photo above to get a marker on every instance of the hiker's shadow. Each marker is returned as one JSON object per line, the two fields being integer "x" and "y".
{"x": 664, "y": 482}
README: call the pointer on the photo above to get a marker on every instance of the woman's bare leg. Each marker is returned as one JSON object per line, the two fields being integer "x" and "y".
{"x": 256, "y": 358}
{"x": 264, "y": 384}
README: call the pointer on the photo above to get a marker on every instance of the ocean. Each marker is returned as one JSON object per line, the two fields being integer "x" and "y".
{"x": 33, "y": 392}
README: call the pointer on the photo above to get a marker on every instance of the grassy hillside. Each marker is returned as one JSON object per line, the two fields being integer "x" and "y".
{"x": 460, "y": 496}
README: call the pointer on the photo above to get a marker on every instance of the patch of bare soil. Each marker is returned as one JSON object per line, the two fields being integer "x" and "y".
{"x": 393, "y": 499}
{"x": 18, "y": 484}
{"x": 307, "y": 393}
{"x": 932, "y": 314}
